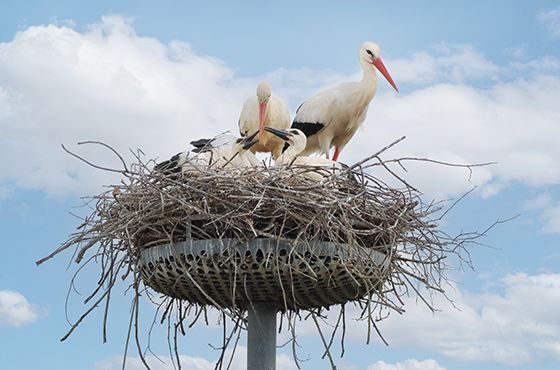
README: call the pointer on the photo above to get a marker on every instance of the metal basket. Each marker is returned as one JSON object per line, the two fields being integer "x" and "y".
{"x": 233, "y": 273}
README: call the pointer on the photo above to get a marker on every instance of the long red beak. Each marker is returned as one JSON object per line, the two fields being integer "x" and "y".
{"x": 262, "y": 110}
{"x": 381, "y": 68}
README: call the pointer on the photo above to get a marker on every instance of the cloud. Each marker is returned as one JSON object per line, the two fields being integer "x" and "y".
{"x": 550, "y": 19}
{"x": 15, "y": 309}
{"x": 497, "y": 327}
{"x": 540, "y": 201}
{"x": 513, "y": 123}
{"x": 515, "y": 325}
{"x": 541, "y": 65}
{"x": 551, "y": 219}
{"x": 455, "y": 63}
{"x": 517, "y": 51}
{"x": 61, "y": 86}
{"x": 4, "y": 192}
{"x": 549, "y": 212}
{"x": 410, "y": 364}
{"x": 283, "y": 362}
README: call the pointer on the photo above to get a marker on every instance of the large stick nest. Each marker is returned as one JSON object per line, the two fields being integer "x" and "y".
{"x": 352, "y": 208}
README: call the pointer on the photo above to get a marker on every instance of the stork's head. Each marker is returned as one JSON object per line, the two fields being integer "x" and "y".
{"x": 294, "y": 137}
{"x": 370, "y": 53}
{"x": 263, "y": 94}
{"x": 263, "y": 91}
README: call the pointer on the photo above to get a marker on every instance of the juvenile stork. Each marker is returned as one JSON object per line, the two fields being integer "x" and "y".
{"x": 331, "y": 117}
{"x": 264, "y": 110}
{"x": 297, "y": 141}
{"x": 224, "y": 151}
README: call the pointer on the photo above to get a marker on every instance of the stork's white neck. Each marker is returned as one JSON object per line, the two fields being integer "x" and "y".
{"x": 296, "y": 147}
{"x": 369, "y": 75}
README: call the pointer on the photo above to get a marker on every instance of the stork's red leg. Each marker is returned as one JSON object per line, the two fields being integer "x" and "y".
{"x": 336, "y": 153}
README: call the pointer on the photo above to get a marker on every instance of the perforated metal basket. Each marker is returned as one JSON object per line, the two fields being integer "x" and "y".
{"x": 232, "y": 273}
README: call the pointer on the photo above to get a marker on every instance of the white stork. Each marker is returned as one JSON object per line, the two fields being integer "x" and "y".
{"x": 262, "y": 110}
{"x": 297, "y": 141}
{"x": 224, "y": 151}
{"x": 331, "y": 117}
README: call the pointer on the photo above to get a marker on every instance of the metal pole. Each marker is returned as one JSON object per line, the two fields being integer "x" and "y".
{"x": 261, "y": 337}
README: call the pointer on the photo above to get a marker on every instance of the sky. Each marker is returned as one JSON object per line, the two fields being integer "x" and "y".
{"x": 479, "y": 82}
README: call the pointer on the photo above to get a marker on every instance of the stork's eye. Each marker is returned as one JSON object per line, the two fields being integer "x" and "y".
{"x": 370, "y": 53}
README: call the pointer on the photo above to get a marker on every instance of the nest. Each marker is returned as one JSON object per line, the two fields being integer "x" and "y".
{"x": 228, "y": 238}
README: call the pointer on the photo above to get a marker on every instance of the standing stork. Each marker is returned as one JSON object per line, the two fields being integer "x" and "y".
{"x": 331, "y": 117}
{"x": 297, "y": 141}
{"x": 262, "y": 110}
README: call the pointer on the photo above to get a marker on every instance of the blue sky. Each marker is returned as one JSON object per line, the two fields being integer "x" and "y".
{"x": 479, "y": 82}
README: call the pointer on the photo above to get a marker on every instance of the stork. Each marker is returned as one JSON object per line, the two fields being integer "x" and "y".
{"x": 224, "y": 151}
{"x": 262, "y": 110}
{"x": 331, "y": 117}
{"x": 297, "y": 141}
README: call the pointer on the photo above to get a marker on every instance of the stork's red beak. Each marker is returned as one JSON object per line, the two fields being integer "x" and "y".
{"x": 262, "y": 110}
{"x": 378, "y": 63}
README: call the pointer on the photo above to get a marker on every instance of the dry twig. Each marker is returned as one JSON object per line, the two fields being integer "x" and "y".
{"x": 354, "y": 209}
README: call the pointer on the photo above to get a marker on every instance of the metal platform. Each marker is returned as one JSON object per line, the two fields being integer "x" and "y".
{"x": 231, "y": 273}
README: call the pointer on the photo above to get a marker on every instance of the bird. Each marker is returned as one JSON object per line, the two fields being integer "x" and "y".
{"x": 297, "y": 141}
{"x": 262, "y": 110}
{"x": 224, "y": 151}
{"x": 331, "y": 117}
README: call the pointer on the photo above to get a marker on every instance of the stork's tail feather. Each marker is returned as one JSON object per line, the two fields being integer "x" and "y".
{"x": 201, "y": 145}
{"x": 170, "y": 166}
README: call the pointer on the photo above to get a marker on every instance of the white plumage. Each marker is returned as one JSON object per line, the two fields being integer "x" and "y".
{"x": 224, "y": 151}
{"x": 297, "y": 142}
{"x": 331, "y": 117}
{"x": 264, "y": 110}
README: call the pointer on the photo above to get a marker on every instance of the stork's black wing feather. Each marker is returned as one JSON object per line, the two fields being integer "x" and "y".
{"x": 308, "y": 128}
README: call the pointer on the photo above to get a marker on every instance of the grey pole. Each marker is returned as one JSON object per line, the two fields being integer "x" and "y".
{"x": 261, "y": 337}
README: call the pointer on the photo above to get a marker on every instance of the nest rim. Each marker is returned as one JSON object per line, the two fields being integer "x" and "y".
{"x": 288, "y": 274}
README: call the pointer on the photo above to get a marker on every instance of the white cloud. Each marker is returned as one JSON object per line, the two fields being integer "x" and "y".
{"x": 58, "y": 85}
{"x": 4, "y": 192}
{"x": 511, "y": 327}
{"x": 513, "y": 123}
{"x": 445, "y": 62}
{"x": 283, "y": 362}
{"x": 540, "y": 201}
{"x": 15, "y": 309}
{"x": 545, "y": 64}
{"x": 518, "y": 324}
{"x": 410, "y": 364}
{"x": 517, "y": 51}
{"x": 62, "y": 86}
{"x": 515, "y": 324}
{"x": 550, "y": 349}
{"x": 551, "y": 219}
{"x": 549, "y": 212}
{"x": 551, "y": 21}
